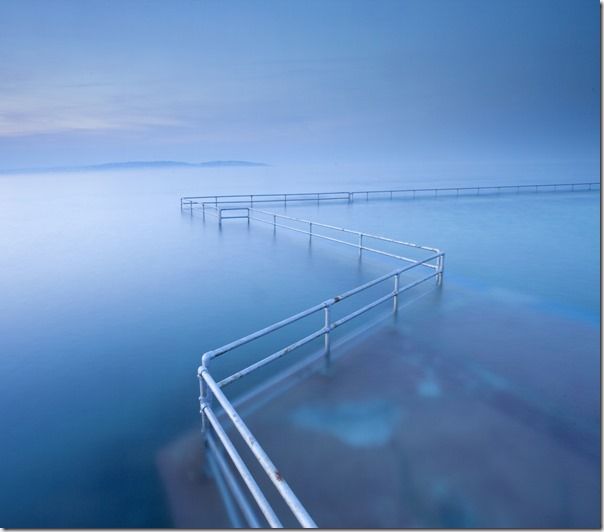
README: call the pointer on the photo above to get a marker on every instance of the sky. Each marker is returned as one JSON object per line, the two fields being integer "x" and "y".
{"x": 93, "y": 81}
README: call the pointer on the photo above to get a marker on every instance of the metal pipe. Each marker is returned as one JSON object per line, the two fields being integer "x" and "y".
{"x": 302, "y": 196}
{"x": 273, "y": 473}
{"x": 224, "y": 493}
{"x": 271, "y": 358}
{"x": 238, "y": 495}
{"x": 378, "y": 301}
{"x": 327, "y": 340}
{"x": 441, "y": 269}
{"x": 379, "y": 252}
{"x": 242, "y": 469}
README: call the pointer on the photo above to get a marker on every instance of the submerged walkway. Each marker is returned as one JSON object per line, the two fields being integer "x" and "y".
{"x": 400, "y": 435}
{"x": 348, "y": 450}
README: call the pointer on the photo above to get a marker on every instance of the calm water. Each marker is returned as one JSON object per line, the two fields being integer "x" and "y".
{"x": 111, "y": 294}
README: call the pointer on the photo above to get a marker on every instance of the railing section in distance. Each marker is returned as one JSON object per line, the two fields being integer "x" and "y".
{"x": 285, "y": 197}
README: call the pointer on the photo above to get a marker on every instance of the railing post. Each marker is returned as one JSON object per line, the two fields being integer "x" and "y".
{"x": 204, "y": 402}
{"x": 275, "y": 221}
{"x": 310, "y": 229}
{"x": 327, "y": 340}
{"x": 360, "y": 243}
{"x": 441, "y": 267}
{"x": 396, "y": 286}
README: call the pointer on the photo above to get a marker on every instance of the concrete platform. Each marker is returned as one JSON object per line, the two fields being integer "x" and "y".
{"x": 192, "y": 497}
{"x": 448, "y": 430}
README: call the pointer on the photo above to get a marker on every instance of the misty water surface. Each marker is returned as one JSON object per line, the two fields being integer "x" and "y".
{"x": 110, "y": 295}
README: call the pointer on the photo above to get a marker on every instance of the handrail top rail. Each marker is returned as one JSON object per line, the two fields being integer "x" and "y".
{"x": 209, "y": 355}
{"x": 375, "y": 191}
{"x": 270, "y": 194}
{"x": 351, "y": 231}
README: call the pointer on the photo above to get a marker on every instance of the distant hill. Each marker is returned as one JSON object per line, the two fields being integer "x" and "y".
{"x": 129, "y": 165}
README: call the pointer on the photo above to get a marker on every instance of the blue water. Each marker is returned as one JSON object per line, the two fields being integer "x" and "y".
{"x": 111, "y": 294}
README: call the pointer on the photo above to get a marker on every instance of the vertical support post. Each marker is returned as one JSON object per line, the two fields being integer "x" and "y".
{"x": 203, "y": 396}
{"x": 326, "y": 338}
{"x": 204, "y": 402}
{"x": 360, "y": 243}
{"x": 350, "y": 197}
{"x": 275, "y": 221}
{"x": 310, "y": 229}
{"x": 441, "y": 267}
{"x": 252, "y": 199}
{"x": 219, "y": 216}
{"x": 396, "y": 288}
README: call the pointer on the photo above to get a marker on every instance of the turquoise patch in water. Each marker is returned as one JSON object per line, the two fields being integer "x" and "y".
{"x": 358, "y": 424}
{"x": 429, "y": 387}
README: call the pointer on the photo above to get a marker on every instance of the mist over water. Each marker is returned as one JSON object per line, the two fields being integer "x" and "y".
{"x": 111, "y": 294}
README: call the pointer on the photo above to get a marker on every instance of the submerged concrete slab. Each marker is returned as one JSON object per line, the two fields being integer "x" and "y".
{"x": 442, "y": 430}
{"x": 192, "y": 497}
{"x": 399, "y": 436}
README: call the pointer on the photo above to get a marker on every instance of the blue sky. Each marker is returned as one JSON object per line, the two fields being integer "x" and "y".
{"x": 85, "y": 82}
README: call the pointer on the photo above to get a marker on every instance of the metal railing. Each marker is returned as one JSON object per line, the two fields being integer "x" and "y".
{"x": 216, "y": 439}
{"x": 210, "y": 389}
{"x": 388, "y": 193}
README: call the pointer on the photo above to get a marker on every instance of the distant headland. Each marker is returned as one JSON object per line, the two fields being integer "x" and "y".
{"x": 130, "y": 165}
